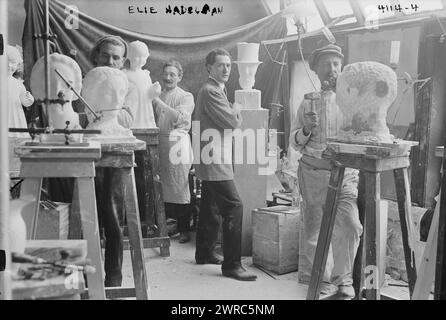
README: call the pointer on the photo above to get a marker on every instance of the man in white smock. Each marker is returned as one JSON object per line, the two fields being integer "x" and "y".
{"x": 174, "y": 110}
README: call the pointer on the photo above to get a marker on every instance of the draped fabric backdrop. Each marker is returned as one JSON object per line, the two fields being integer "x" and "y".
{"x": 271, "y": 78}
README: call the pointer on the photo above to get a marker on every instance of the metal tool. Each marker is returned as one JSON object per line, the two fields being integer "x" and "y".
{"x": 77, "y": 94}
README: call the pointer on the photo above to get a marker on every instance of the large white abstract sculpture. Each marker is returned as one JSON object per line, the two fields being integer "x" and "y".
{"x": 364, "y": 93}
{"x": 104, "y": 89}
{"x": 17, "y": 94}
{"x": 247, "y": 63}
{"x": 60, "y": 97}
{"x": 146, "y": 91}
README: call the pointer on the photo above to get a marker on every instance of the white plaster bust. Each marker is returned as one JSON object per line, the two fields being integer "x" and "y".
{"x": 247, "y": 62}
{"x": 60, "y": 109}
{"x": 146, "y": 90}
{"x": 17, "y": 94}
{"x": 104, "y": 89}
{"x": 364, "y": 93}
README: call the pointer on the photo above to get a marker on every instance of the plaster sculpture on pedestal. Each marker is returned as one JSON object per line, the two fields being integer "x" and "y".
{"x": 247, "y": 63}
{"x": 364, "y": 93}
{"x": 104, "y": 89}
{"x": 146, "y": 90}
{"x": 17, "y": 94}
{"x": 60, "y": 97}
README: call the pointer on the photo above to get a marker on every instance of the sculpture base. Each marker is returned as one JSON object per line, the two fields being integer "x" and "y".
{"x": 249, "y": 99}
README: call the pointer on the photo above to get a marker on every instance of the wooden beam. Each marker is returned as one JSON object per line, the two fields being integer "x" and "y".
{"x": 325, "y": 16}
{"x": 357, "y": 12}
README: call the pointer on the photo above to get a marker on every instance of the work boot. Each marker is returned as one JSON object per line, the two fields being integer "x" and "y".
{"x": 212, "y": 259}
{"x": 239, "y": 273}
{"x": 346, "y": 291}
{"x": 184, "y": 237}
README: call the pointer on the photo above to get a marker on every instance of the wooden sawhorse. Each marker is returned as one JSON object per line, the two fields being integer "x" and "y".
{"x": 121, "y": 155}
{"x": 370, "y": 161}
{"x": 46, "y": 161}
{"x": 150, "y": 192}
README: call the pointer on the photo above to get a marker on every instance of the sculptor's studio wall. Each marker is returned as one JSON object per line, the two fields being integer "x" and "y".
{"x": 131, "y": 15}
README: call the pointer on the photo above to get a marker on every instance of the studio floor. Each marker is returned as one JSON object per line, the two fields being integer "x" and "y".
{"x": 177, "y": 277}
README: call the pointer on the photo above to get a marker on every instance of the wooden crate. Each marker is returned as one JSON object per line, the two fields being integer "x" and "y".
{"x": 275, "y": 243}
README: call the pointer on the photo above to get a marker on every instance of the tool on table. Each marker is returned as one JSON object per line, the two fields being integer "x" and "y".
{"x": 82, "y": 266}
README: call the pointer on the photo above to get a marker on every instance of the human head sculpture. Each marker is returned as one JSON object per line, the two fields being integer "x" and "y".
{"x": 109, "y": 51}
{"x": 138, "y": 54}
{"x": 172, "y": 74}
{"x": 105, "y": 88}
{"x": 247, "y": 63}
{"x": 218, "y": 64}
{"x": 59, "y": 91}
{"x": 327, "y": 62}
{"x": 60, "y": 96}
{"x": 14, "y": 59}
{"x": 364, "y": 93}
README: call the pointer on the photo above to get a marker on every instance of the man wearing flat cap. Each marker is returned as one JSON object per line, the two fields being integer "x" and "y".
{"x": 319, "y": 117}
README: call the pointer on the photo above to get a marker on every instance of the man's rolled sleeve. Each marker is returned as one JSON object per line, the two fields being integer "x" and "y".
{"x": 297, "y": 137}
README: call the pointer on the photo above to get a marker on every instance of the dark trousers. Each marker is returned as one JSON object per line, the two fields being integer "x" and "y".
{"x": 111, "y": 210}
{"x": 220, "y": 198}
{"x": 181, "y": 212}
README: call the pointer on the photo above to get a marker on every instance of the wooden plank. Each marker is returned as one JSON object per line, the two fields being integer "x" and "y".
{"x": 30, "y": 189}
{"x": 358, "y": 266}
{"x": 144, "y": 186}
{"x": 150, "y": 136}
{"x": 366, "y": 164}
{"x": 122, "y": 146}
{"x": 135, "y": 236}
{"x": 160, "y": 214}
{"x": 325, "y": 233}
{"x": 92, "y": 151}
{"x": 90, "y": 228}
{"x": 372, "y": 210}
{"x": 407, "y": 227}
{"x": 66, "y": 168}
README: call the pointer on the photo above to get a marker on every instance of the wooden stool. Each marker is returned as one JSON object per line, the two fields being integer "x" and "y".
{"x": 370, "y": 161}
{"x": 40, "y": 161}
{"x": 121, "y": 155}
{"x": 150, "y": 192}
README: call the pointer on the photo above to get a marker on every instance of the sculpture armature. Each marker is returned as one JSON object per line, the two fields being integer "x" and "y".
{"x": 364, "y": 93}
{"x": 104, "y": 89}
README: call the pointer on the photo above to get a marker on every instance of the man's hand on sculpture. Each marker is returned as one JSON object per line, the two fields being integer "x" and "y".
{"x": 154, "y": 90}
{"x": 311, "y": 120}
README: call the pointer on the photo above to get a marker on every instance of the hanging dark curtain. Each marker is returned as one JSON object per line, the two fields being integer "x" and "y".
{"x": 271, "y": 77}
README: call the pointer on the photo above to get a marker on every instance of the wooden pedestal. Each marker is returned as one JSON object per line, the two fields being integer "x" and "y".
{"x": 150, "y": 192}
{"x": 370, "y": 161}
{"x": 121, "y": 155}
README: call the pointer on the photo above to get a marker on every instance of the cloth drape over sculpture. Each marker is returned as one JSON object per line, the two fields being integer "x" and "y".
{"x": 189, "y": 51}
